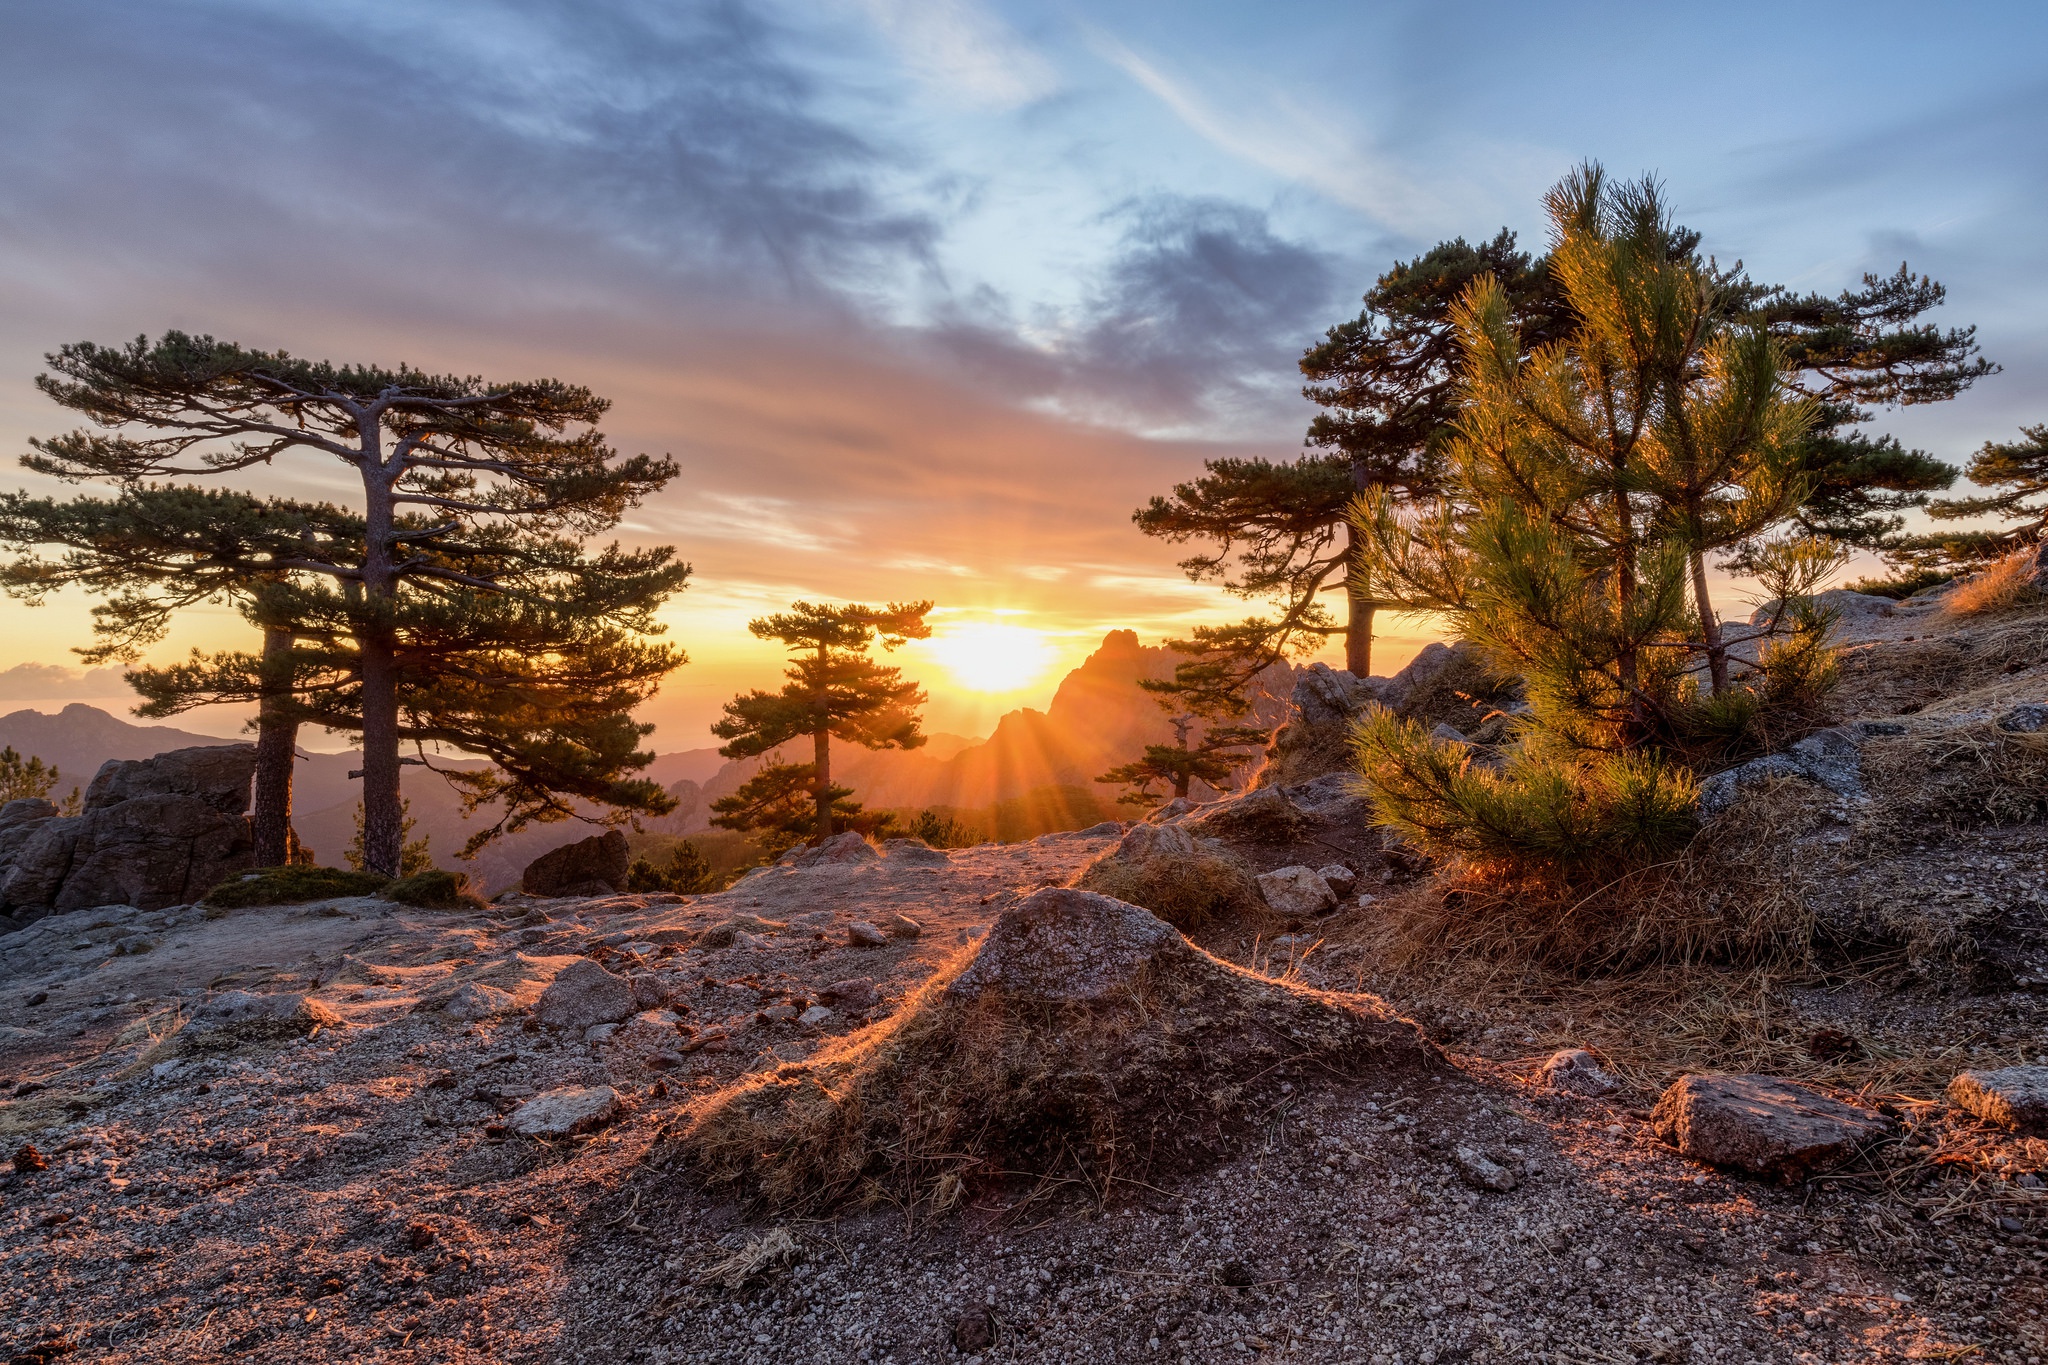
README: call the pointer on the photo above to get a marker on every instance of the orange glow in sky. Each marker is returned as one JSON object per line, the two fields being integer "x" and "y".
{"x": 988, "y": 656}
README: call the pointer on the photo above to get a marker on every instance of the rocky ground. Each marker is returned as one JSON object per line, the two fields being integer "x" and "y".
{"x": 354, "y": 1131}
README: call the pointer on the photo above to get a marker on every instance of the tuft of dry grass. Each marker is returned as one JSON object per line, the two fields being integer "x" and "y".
{"x": 2004, "y": 584}
{"x": 1190, "y": 888}
{"x": 950, "y": 1095}
{"x": 1735, "y": 893}
{"x": 1954, "y": 777}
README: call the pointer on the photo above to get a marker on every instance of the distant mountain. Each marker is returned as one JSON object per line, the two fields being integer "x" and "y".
{"x": 1098, "y": 718}
{"x": 80, "y": 738}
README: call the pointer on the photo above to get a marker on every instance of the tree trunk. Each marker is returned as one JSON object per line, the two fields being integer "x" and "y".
{"x": 270, "y": 817}
{"x": 1710, "y": 628}
{"x": 383, "y": 815}
{"x": 821, "y": 749}
{"x": 1358, "y": 626}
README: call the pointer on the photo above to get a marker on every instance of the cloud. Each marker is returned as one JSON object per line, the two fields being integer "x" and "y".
{"x": 49, "y": 682}
{"x": 962, "y": 50}
{"x": 1195, "y": 321}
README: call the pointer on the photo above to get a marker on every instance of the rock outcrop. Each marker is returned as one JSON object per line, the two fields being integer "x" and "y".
{"x": 152, "y": 832}
{"x": 1084, "y": 1032}
{"x": 589, "y": 867}
{"x": 1765, "y": 1125}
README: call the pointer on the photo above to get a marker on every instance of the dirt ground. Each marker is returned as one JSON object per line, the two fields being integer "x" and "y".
{"x": 352, "y": 1195}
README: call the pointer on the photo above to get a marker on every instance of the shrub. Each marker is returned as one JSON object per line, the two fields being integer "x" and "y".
{"x": 1545, "y": 811}
{"x": 941, "y": 830}
{"x": 688, "y": 873}
{"x": 294, "y": 884}
{"x": 434, "y": 889}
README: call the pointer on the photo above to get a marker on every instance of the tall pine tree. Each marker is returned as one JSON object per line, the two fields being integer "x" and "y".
{"x": 834, "y": 689}
{"x": 469, "y": 454}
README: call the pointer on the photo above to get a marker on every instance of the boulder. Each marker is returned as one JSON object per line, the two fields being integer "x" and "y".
{"x": 565, "y": 1112}
{"x": 245, "y": 1015}
{"x": 1830, "y": 758}
{"x": 582, "y": 995}
{"x": 2013, "y": 1097}
{"x": 845, "y": 847}
{"x": 861, "y": 934}
{"x": 1341, "y": 879}
{"x": 902, "y": 926}
{"x": 726, "y": 932}
{"x": 1316, "y": 738}
{"x": 589, "y": 867}
{"x": 853, "y": 995}
{"x": 153, "y": 832}
{"x": 473, "y": 1001}
{"x": 1578, "y": 1071}
{"x": 1765, "y": 1125}
{"x": 650, "y": 992}
{"x": 915, "y": 852}
{"x": 1064, "y": 946}
{"x": 215, "y": 774}
{"x": 1297, "y": 892}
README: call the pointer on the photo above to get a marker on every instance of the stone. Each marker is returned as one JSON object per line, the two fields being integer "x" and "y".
{"x": 2027, "y": 718}
{"x": 854, "y": 994}
{"x": 2014, "y": 1097}
{"x": 1765, "y": 1125}
{"x": 1060, "y": 946}
{"x": 861, "y": 934}
{"x": 473, "y": 1002}
{"x": 1339, "y": 878}
{"x": 1481, "y": 1171}
{"x": 649, "y": 991}
{"x": 217, "y": 775}
{"x": 1106, "y": 829}
{"x": 565, "y": 1112}
{"x": 974, "y": 1331}
{"x": 18, "y": 820}
{"x": 844, "y": 848}
{"x": 1829, "y": 758}
{"x": 1578, "y": 1071}
{"x": 133, "y": 945}
{"x": 599, "y": 1033}
{"x": 1297, "y": 892}
{"x": 1316, "y": 737}
{"x": 814, "y": 1016}
{"x": 245, "y": 1014}
{"x": 902, "y": 926}
{"x": 589, "y": 867}
{"x": 915, "y": 852}
{"x": 584, "y": 994}
{"x": 726, "y": 932}
{"x": 1448, "y": 734}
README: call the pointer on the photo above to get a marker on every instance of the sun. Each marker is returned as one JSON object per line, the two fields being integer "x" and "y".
{"x": 984, "y": 656}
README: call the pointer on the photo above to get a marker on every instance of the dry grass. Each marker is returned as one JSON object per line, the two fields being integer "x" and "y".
{"x": 1191, "y": 891}
{"x": 1736, "y": 893}
{"x": 950, "y": 1095}
{"x": 1954, "y": 777}
{"x": 2007, "y": 583}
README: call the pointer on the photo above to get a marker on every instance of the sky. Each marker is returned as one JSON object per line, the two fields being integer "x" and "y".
{"x": 926, "y": 298}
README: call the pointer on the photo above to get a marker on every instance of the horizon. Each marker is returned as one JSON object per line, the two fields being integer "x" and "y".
{"x": 911, "y": 321}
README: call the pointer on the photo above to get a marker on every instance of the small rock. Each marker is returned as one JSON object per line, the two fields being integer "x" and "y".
{"x": 854, "y": 994}
{"x": 903, "y": 926}
{"x": 134, "y": 945}
{"x": 780, "y": 1014}
{"x": 473, "y": 1002}
{"x": 861, "y": 934}
{"x": 1482, "y": 1172}
{"x": 814, "y": 1016}
{"x": 1297, "y": 891}
{"x": 2013, "y": 1097}
{"x": 599, "y": 1033}
{"x": 1578, "y": 1071}
{"x": 650, "y": 992}
{"x": 1339, "y": 878}
{"x": 1448, "y": 734}
{"x": 1236, "y": 1274}
{"x": 1762, "y": 1124}
{"x": 725, "y": 932}
{"x": 2025, "y": 719}
{"x": 244, "y": 1014}
{"x": 583, "y": 994}
{"x": 28, "y": 1160}
{"x": 565, "y": 1112}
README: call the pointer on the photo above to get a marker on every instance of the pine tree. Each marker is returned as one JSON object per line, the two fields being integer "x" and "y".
{"x": 687, "y": 873}
{"x": 151, "y": 552}
{"x": 477, "y": 457}
{"x": 1587, "y": 481}
{"x": 834, "y": 689}
{"x": 415, "y": 855}
{"x": 2018, "y": 471}
{"x": 26, "y": 779}
{"x": 1204, "y": 694}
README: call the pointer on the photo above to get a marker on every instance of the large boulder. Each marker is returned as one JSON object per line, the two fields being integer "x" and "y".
{"x": 1765, "y": 1125}
{"x": 1316, "y": 738}
{"x": 589, "y": 867}
{"x": 153, "y": 832}
{"x": 1297, "y": 892}
{"x": 844, "y": 848}
{"x": 1085, "y": 1035}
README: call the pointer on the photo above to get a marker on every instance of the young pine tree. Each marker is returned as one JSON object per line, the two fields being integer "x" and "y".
{"x": 479, "y": 459}
{"x": 1200, "y": 700}
{"x": 1589, "y": 478}
{"x": 834, "y": 689}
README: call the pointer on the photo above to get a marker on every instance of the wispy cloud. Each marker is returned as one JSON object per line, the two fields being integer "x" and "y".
{"x": 1291, "y": 140}
{"x": 964, "y": 51}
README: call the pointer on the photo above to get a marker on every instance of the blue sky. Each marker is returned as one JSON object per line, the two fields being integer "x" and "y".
{"x": 925, "y": 297}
